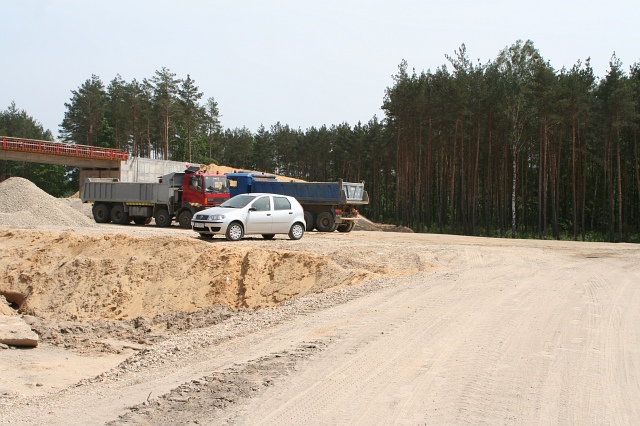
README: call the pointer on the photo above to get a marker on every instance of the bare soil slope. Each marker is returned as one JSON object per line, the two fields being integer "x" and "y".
{"x": 70, "y": 276}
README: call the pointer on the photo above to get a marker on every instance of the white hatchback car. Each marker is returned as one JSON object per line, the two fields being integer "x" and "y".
{"x": 266, "y": 214}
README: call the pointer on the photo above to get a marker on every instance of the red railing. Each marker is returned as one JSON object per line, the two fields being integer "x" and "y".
{"x": 63, "y": 149}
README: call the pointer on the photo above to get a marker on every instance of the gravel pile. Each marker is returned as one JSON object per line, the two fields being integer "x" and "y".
{"x": 24, "y": 205}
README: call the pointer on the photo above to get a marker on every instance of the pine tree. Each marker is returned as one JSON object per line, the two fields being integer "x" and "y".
{"x": 191, "y": 110}
{"x": 517, "y": 65}
{"x": 83, "y": 118}
{"x": 165, "y": 86}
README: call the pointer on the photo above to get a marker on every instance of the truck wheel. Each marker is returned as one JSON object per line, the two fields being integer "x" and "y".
{"x": 163, "y": 218}
{"x": 206, "y": 236}
{"x": 346, "y": 227}
{"x": 268, "y": 236}
{"x": 101, "y": 213}
{"x": 297, "y": 231}
{"x": 185, "y": 219}
{"x": 325, "y": 222}
{"x": 234, "y": 232}
{"x": 310, "y": 219}
{"x": 118, "y": 215}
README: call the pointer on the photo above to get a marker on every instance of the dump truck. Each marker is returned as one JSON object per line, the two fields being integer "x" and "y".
{"x": 327, "y": 205}
{"x": 176, "y": 196}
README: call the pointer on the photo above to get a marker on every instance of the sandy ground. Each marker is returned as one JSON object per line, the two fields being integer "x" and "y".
{"x": 140, "y": 326}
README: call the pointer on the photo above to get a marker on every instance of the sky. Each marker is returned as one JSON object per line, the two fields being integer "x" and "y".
{"x": 297, "y": 62}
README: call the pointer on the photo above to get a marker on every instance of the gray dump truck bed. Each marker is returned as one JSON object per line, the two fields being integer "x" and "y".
{"x": 107, "y": 190}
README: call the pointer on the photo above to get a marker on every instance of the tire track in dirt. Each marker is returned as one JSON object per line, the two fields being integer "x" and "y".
{"x": 470, "y": 347}
{"x": 385, "y": 335}
{"x": 396, "y": 357}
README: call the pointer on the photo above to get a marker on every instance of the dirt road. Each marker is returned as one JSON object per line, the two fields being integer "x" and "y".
{"x": 452, "y": 330}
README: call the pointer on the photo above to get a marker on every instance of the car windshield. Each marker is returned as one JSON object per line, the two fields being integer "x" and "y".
{"x": 216, "y": 184}
{"x": 238, "y": 201}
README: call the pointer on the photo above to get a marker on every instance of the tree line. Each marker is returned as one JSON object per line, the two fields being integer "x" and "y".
{"x": 511, "y": 147}
{"x": 159, "y": 117}
{"x": 515, "y": 147}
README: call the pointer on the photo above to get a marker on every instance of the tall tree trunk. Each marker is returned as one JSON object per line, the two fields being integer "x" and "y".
{"x": 545, "y": 183}
{"x": 620, "y": 209}
{"x": 540, "y": 179}
{"x": 429, "y": 176}
{"x": 488, "y": 209}
{"x": 189, "y": 135}
{"x": 474, "y": 199}
{"x": 165, "y": 136}
{"x": 452, "y": 184}
{"x": 573, "y": 176}
{"x": 398, "y": 173}
{"x": 611, "y": 184}
{"x": 636, "y": 165}
{"x": 513, "y": 194}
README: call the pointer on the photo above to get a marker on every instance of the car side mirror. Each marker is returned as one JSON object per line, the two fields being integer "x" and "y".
{"x": 252, "y": 209}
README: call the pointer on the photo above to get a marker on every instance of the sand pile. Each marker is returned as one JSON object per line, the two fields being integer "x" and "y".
{"x": 75, "y": 277}
{"x": 219, "y": 169}
{"x": 24, "y": 205}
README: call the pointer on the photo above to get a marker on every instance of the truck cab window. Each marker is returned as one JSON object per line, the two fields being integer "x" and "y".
{"x": 194, "y": 183}
{"x": 216, "y": 185}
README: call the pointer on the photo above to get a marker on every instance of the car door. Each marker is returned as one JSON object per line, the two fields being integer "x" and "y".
{"x": 260, "y": 216}
{"x": 282, "y": 215}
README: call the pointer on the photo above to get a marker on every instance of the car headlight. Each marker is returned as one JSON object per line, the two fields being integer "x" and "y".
{"x": 216, "y": 217}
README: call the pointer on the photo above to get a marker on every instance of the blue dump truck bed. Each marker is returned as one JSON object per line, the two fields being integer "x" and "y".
{"x": 310, "y": 193}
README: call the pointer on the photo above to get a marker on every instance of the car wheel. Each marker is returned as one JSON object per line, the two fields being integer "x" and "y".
{"x": 234, "y": 232}
{"x": 185, "y": 219}
{"x": 325, "y": 222}
{"x": 310, "y": 219}
{"x": 118, "y": 215}
{"x": 163, "y": 218}
{"x": 268, "y": 236}
{"x": 297, "y": 231}
{"x": 101, "y": 213}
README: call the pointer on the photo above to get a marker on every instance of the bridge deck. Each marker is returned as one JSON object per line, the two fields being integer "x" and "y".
{"x": 36, "y": 151}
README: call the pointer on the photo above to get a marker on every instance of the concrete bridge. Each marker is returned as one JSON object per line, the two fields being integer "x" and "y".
{"x": 92, "y": 161}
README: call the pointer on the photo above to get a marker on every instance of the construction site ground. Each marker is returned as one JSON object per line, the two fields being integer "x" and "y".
{"x": 140, "y": 325}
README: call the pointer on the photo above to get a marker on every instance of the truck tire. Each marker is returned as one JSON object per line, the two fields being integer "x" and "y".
{"x": 101, "y": 213}
{"x": 325, "y": 222}
{"x": 268, "y": 236}
{"x": 310, "y": 219}
{"x": 234, "y": 232}
{"x": 184, "y": 219}
{"x": 118, "y": 215}
{"x": 163, "y": 218}
{"x": 297, "y": 231}
{"x": 346, "y": 227}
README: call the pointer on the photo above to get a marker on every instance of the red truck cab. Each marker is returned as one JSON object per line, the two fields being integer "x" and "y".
{"x": 205, "y": 190}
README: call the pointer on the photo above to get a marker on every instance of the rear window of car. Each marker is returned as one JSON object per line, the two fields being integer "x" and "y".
{"x": 281, "y": 203}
